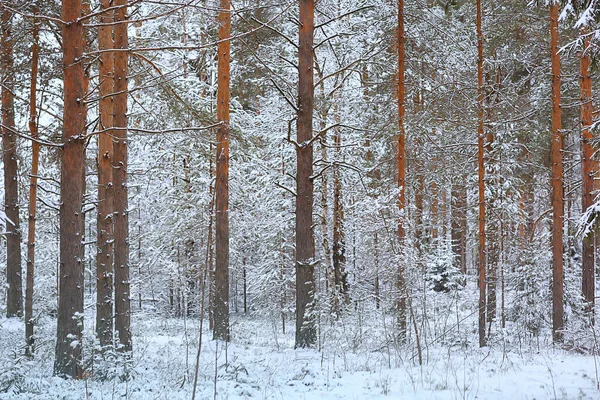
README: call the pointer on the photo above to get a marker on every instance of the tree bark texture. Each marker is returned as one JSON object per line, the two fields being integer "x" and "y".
{"x": 104, "y": 253}
{"x": 306, "y": 334}
{"x": 221, "y": 305}
{"x": 120, "y": 203}
{"x": 400, "y": 283}
{"x": 35, "y": 160}
{"x": 589, "y": 170}
{"x": 557, "y": 183}
{"x": 70, "y": 305}
{"x": 481, "y": 180}
{"x": 14, "y": 304}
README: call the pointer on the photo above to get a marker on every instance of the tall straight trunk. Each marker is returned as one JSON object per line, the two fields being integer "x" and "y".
{"x": 400, "y": 283}
{"x": 481, "y": 181}
{"x": 589, "y": 170}
{"x": 104, "y": 254}
{"x": 35, "y": 160}
{"x": 339, "y": 236}
{"x": 14, "y": 305}
{"x": 459, "y": 219}
{"x": 221, "y": 309}
{"x": 306, "y": 334}
{"x": 557, "y": 183}
{"x": 32, "y": 189}
{"x": 121, "y": 223}
{"x": 70, "y": 305}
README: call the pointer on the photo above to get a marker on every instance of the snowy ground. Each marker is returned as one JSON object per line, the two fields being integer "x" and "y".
{"x": 261, "y": 363}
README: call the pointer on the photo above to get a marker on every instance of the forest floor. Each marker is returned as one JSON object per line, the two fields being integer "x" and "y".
{"x": 260, "y": 362}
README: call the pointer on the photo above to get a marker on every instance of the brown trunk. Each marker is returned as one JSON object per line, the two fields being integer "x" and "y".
{"x": 339, "y": 237}
{"x": 221, "y": 306}
{"x": 557, "y": 183}
{"x": 306, "y": 334}
{"x": 14, "y": 305}
{"x": 121, "y": 223}
{"x": 401, "y": 284}
{"x": 70, "y": 305}
{"x": 588, "y": 171}
{"x": 104, "y": 255}
{"x": 459, "y": 207}
{"x": 35, "y": 159}
{"x": 481, "y": 166}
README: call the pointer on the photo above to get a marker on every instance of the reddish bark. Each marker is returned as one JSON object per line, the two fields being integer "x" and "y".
{"x": 120, "y": 203}
{"x": 70, "y": 305}
{"x": 221, "y": 304}
{"x": 401, "y": 284}
{"x": 589, "y": 170}
{"x": 306, "y": 334}
{"x": 104, "y": 255}
{"x": 557, "y": 183}
{"x": 481, "y": 181}
{"x": 35, "y": 159}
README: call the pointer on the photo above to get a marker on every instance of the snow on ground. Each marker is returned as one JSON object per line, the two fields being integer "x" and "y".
{"x": 261, "y": 363}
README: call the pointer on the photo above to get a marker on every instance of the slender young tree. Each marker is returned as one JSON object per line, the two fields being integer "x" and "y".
{"x": 306, "y": 334}
{"x": 589, "y": 170}
{"x": 339, "y": 236}
{"x": 104, "y": 254}
{"x": 35, "y": 160}
{"x": 481, "y": 181}
{"x": 14, "y": 305}
{"x": 557, "y": 182}
{"x": 221, "y": 306}
{"x": 401, "y": 283}
{"x": 70, "y": 305}
{"x": 121, "y": 223}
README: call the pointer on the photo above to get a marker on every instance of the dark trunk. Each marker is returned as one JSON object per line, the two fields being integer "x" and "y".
{"x": 14, "y": 304}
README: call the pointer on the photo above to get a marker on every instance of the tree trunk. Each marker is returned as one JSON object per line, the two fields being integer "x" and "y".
{"x": 481, "y": 168}
{"x": 70, "y": 305}
{"x": 120, "y": 203}
{"x": 339, "y": 236}
{"x": 589, "y": 169}
{"x": 104, "y": 255}
{"x": 306, "y": 334}
{"x": 221, "y": 309}
{"x": 35, "y": 159}
{"x": 401, "y": 284}
{"x": 14, "y": 305}
{"x": 557, "y": 183}
{"x": 459, "y": 220}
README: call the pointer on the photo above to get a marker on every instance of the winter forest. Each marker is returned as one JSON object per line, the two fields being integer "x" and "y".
{"x": 312, "y": 199}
